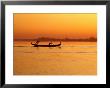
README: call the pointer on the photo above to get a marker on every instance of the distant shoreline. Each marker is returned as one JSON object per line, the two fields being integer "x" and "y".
{"x": 57, "y": 40}
{"x": 63, "y": 40}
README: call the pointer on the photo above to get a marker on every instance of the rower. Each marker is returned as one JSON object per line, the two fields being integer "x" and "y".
{"x": 37, "y": 42}
{"x": 50, "y": 43}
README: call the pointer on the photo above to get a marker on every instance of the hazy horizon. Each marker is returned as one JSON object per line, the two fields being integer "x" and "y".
{"x": 90, "y": 39}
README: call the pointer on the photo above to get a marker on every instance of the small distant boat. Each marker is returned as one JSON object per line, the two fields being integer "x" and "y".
{"x": 36, "y": 45}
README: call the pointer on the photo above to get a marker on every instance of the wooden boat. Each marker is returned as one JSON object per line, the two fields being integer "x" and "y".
{"x": 35, "y": 45}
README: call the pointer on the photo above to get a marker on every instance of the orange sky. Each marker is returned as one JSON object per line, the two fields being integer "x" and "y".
{"x": 29, "y": 26}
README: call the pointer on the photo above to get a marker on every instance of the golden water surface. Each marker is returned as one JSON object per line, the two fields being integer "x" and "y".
{"x": 72, "y": 58}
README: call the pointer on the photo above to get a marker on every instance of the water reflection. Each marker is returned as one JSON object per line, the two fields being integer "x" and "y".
{"x": 72, "y": 58}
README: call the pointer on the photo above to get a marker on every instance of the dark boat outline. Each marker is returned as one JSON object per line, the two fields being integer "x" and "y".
{"x": 35, "y": 45}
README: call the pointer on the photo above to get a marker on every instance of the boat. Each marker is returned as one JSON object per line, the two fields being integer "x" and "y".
{"x": 36, "y": 45}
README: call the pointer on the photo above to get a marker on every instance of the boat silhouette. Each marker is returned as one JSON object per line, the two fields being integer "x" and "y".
{"x": 49, "y": 45}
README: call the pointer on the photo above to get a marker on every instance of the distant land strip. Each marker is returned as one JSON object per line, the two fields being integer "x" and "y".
{"x": 91, "y": 39}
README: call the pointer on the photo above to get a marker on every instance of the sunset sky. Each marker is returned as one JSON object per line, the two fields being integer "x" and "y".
{"x": 69, "y": 25}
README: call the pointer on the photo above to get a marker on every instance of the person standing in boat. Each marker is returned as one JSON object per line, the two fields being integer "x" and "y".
{"x": 50, "y": 43}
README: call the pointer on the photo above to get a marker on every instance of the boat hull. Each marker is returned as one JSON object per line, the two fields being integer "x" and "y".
{"x": 36, "y": 45}
{"x": 46, "y": 45}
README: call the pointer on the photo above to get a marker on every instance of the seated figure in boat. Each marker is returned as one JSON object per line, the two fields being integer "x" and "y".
{"x": 37, "y": 42}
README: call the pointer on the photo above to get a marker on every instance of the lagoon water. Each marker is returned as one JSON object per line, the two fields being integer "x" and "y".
{"x": 72, "y": 58}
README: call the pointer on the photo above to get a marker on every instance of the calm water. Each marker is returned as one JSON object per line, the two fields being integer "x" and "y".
{"x": 72, "y": 58}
